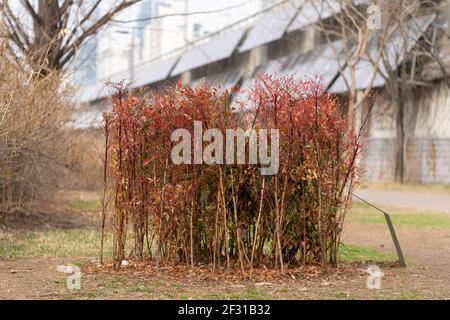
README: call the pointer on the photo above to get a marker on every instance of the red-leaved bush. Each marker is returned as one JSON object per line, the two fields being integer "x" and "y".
{"x": 230, "y": 215}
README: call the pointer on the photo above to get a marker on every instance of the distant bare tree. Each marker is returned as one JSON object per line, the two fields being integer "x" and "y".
{"x": 389, "y": 49}
{"x": 48, "y": 33}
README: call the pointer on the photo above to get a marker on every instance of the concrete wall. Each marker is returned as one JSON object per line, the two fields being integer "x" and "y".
{"x": 427, "y": 160}
{"x": 427, "y": 145}
{"x": 379, "y": 160}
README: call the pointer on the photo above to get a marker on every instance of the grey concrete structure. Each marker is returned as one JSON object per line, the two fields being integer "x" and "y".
{"x": 288, "y": 42}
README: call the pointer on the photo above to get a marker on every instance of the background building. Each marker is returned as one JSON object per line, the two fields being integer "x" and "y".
{"x": 231, "y": 50}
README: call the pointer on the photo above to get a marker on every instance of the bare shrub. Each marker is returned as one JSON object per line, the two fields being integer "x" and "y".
{"x": 229, "y": 215}
{"x": 35, "y": 139}
{"x": 85, "y": 173}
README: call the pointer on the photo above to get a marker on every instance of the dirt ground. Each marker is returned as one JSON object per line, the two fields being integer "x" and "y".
{"x": 427, "y": 253}
{"x": 35, "y": 277}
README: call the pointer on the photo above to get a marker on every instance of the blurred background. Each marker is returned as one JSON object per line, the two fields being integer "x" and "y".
{"x": 387, "y": 62}
{"x": 397, "y": 51}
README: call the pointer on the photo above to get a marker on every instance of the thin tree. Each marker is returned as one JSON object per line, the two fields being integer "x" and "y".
{"x": 379, "y": 33}
{"x": 46, "y": 34}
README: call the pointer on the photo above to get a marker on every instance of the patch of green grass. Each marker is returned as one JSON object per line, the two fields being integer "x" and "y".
{"x": 95, "y": 295}
{"x": 54, "y": 243}
{"x": 157, "y": 284}
{"x": 112, "y": 283}
{"x": 352, "y": 253}
{"x": 250, "y": 293}
{"x": 365, "y": 214}
{"x": 62, "y": 282}
{"x": 411, "y": 295}
{"x": 141, "y": 289}
{"x": 9, "y": 248}
{"x": 214, "y": 296}
{"x": 177, "y": 286}
{"x": 440, "y": 220}
{"x": 343, "y": 295}
{"x": 141, "y": 286}
{"x": 78, "y": 263}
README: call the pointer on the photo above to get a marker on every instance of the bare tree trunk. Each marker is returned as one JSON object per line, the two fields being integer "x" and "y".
{"x": 59, "y": 29}
{"x": 400, "y": 140}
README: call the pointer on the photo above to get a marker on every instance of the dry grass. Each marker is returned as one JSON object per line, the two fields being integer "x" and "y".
{"x": 362, "y": 213}
{"x": 84, "y": 243}
{"x": 36, "y": 144}
{"x": 87, "y": 175}
{"x": 35, "y": 255}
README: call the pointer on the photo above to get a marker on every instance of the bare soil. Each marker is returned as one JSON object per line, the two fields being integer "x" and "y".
{"x": 427, "y": 276}
{"x": 427, "y": 253}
